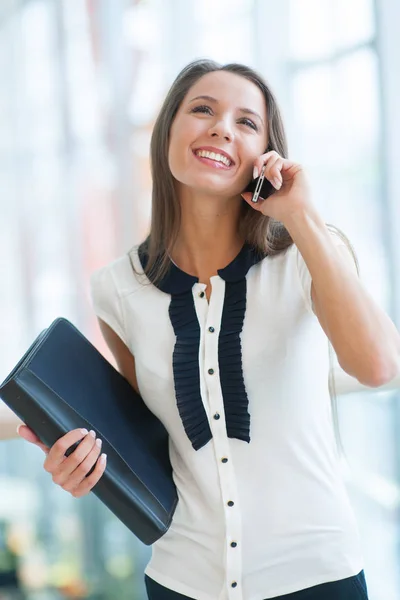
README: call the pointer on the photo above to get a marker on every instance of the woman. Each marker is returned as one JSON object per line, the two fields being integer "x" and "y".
{"x": 220, "y": 320}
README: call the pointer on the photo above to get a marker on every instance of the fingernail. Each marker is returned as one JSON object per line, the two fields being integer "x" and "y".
{"x": 276, "y": 183}
{"x": 103, "y": 458}
{"x": 18, "y": 428}
{"x": 84, "y": 431}
{"x": 99, "y": 442}
{"x": 92, "y": 433}
{"x": 255, "y": 172}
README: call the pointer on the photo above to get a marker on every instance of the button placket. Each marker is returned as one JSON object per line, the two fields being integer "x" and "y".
{"x": 202, "y": 307}
{"x": 221, "y": 443}
{"x": 233, "y": 552}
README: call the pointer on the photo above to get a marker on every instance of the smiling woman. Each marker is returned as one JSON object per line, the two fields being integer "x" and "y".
{"x": 241, "y": 382}
{"x": 220, "y": 320}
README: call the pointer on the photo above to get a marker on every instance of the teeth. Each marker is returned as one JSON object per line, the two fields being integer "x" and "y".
{"x": 213, "y": 156}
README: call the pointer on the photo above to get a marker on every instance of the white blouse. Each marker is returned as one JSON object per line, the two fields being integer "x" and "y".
{"x": 241, "y": 385}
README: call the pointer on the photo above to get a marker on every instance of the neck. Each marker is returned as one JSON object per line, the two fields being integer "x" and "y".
{"x": 209, "y": 237}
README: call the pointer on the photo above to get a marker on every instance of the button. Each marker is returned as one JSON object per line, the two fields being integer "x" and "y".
{"x": 230, "y": 503}
{"x": 202, "y": 294}
{"x": 233, "y": 544}
{"x": 217, "y": 416}
{"x": 211, "y": 329}
{"x": 211, "y": 371}
{"x": 233, "y": 584}
{"x": 224, "y": 460}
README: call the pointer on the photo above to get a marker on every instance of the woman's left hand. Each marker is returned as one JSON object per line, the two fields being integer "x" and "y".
{"x": 292, "y": 191}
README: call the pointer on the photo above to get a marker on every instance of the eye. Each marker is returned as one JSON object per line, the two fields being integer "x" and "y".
{"x": 250, "y": 123}
{"x": 203, "y": 108}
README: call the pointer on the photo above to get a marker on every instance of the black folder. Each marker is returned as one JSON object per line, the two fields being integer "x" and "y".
{"x": 63, "y": 382}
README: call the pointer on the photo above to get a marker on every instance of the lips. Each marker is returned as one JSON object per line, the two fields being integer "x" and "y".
{"x": 216, "y": 151}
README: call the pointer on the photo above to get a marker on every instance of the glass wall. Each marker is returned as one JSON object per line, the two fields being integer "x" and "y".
{"x": 66, "y": 178}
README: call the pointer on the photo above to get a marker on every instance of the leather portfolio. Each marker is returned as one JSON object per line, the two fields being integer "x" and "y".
{"x": 63, "y": 382}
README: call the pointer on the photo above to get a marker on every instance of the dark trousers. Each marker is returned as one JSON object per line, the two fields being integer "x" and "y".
{"x": 351, "y": 588}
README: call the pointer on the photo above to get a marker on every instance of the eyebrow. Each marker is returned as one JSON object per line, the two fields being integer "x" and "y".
{"x": 243, "y": 110}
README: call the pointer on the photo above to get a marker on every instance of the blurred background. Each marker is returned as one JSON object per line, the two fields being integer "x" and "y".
{"x": 81, "y": 84}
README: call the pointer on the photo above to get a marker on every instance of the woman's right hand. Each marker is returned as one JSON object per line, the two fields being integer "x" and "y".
{"x": 70, "y": 472}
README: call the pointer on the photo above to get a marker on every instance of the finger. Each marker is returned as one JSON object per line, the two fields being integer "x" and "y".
{"x": 30, "y": 436}
{"x": 70, "y": 463}
{"x": 27, "y": 433}
{"x": 273, "y": 172}
{"x": 261, "y": 161}
{"x": 71, "y": 481}
{"x": 74, "y": 459}
{"x": 57, "y": 452}
{"x": 89, "y": 482}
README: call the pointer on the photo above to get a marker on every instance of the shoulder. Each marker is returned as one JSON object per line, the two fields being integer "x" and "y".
{"x": 301, "y": 271}
{"x": 110, "y": 285}
{"x": 342, "y": 243}
{"x": 123, "y": 275}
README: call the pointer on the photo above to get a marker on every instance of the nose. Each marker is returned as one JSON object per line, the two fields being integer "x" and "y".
{"x": 223, "y": 129}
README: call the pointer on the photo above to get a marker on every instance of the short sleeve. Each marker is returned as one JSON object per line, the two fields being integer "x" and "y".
{"x": 106, "y": 301}
{"x": 304, "y": 274}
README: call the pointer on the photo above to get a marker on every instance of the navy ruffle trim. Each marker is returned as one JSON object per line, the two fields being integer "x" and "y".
{"x": 186, "y": 352}
{"x": 230, "y": 362}
{"x": 185, "y": 362}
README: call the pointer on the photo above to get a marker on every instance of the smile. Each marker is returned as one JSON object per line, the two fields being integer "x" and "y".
{"x": 213, "y": 159}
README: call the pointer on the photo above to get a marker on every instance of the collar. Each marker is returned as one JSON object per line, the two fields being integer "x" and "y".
{"x": 177, "y": 281}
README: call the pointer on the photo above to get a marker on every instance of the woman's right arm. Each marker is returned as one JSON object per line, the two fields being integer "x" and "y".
{"x": 122, "y": 355}
{"x": 70, "y": 472}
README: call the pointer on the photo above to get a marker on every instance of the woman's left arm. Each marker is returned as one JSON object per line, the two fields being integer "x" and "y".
{"x": 364, "y": 338}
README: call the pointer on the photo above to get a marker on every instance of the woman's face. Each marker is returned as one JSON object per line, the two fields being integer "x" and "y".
{"x": 231, "y": 121}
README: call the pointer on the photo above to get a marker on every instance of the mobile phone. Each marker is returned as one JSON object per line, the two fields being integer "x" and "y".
{"x": 260, "y": 187}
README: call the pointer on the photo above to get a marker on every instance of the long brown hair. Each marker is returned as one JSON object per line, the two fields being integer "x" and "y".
{"x": 263, "y": 233}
